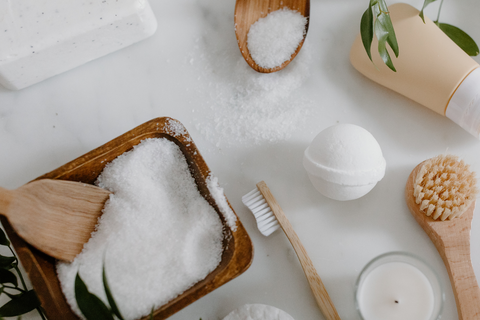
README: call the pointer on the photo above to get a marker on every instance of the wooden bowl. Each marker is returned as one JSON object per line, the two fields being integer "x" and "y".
{"x": 238, "y": 250}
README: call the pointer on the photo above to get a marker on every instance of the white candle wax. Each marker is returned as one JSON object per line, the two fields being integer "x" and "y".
{"x": 396, "y": 291}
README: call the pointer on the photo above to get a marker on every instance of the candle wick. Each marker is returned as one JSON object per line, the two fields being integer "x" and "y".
{"x": 396, "y": 301}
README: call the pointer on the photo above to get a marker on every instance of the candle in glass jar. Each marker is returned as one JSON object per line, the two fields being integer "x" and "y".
{"x": 392, "y": 288}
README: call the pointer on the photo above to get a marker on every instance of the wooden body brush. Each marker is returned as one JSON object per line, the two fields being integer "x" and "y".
{"x": 440, "y": 194}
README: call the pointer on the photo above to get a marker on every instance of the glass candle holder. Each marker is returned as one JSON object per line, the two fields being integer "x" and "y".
{"x": 398, "y": 286}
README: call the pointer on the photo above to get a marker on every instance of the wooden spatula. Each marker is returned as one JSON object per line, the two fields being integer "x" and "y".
{"x": 55, "y": 216}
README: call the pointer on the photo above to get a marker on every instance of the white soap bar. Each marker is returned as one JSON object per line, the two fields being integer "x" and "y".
{"x": 42, "y": 38}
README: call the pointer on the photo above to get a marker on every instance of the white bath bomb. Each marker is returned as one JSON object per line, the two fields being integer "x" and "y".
{"x": 344, "y": 162}
{"x": 258, "y": 312}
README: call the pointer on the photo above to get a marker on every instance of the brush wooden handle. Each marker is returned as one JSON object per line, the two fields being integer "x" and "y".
{"x": 456, "y": 257}
{"x": 316, "y": 284}
{"x": 452, "y": 240}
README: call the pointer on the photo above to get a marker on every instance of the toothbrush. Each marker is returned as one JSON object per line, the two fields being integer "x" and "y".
{"x": 270, "y": 217}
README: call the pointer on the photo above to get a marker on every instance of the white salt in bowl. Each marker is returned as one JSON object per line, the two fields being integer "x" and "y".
{"x": 237, "y": 247}
{"x": 344, "y": 162}
{"x": 258, "y": 312}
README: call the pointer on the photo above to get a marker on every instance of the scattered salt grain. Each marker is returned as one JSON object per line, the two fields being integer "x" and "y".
{"x": 158, "y": 235}
{"x": 252, "y": 107}
{"x": 272, "y": 40}
{"x": 176, "y": 128}
{"x": 258, "y": 312}
{"x": 239, "y": 105}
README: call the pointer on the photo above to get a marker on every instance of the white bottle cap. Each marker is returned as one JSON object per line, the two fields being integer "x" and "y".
{"x": 464, "y": 106}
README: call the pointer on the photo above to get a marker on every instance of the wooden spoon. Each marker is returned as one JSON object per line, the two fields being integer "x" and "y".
{"x": 55, "y": 216}
{"x": 452, "y": 240}
{"x": 247, "y": 12}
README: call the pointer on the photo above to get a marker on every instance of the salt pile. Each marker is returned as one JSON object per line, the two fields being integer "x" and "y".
{"x": 217, "y": 194}
{"x": 272, "y": 40}
{"x": 238, "y": 105}
{"x": 158, "y": 235}
{"x": 258, "y": 312}
{"x": 247, "y": 107}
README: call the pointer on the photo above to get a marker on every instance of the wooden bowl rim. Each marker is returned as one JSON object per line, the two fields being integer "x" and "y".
{"x": 238, "y": 248}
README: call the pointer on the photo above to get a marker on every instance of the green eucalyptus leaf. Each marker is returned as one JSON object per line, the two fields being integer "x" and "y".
{"x": 110, "y": 298}
{"x": 382, "y": 34}
{"x": 382, "y": 50}
{"x": 24, "y": 303}
{"x": 366, "y": 30}
{"x": 89, "y": 304}
{"x": 6, "y": 276}
{"x": 425, "y": 4}
{"x": 382, "y": 5}
{"x": 7, "y": 262}
{"x": 3, "y": 238}
{"x": 376, "y": 22}
{"x": 151, "y": 314}
{"x": 462, "y": 39}
{"x": 391, "y": 38}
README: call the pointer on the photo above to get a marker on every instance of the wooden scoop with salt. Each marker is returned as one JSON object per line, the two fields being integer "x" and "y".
{"x": 55, "y": 216}
{"x": 247, "y": 12}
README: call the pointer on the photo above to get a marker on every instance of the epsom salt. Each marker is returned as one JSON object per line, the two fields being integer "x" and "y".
{"x": 158, "y": 236}
{"x": 239, "y": 106}
{"x": 273, "y": 39}
{"x": 217, "y": 194}
{"x": 252, "y": 107}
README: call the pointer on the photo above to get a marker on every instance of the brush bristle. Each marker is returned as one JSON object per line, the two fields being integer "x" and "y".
{"x": 266, "y": 221}
{"x": 445, "y": 187}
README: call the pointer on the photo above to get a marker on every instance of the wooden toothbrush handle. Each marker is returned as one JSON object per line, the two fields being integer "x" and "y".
{"x": 463, "y": 280}
{"x": 316, "y": 284}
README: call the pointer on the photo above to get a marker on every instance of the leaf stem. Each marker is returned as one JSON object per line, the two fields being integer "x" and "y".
{"x": 21, "y": 277}
{"x": 438, "y": 14}
{"x": 40, "y": 311}
{"x": 18, "y": 269}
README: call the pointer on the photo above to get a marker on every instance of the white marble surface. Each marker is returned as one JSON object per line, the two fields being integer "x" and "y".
{"x": 53, "y": 122}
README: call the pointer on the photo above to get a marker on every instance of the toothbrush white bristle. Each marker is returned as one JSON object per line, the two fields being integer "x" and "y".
{"x": 266, "y": 221}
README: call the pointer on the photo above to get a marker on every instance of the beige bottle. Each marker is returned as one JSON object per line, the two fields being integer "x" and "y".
{"x": 431, "y": 69}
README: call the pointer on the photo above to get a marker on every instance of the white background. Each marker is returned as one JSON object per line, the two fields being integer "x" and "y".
{"x": 46, "y": 125}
